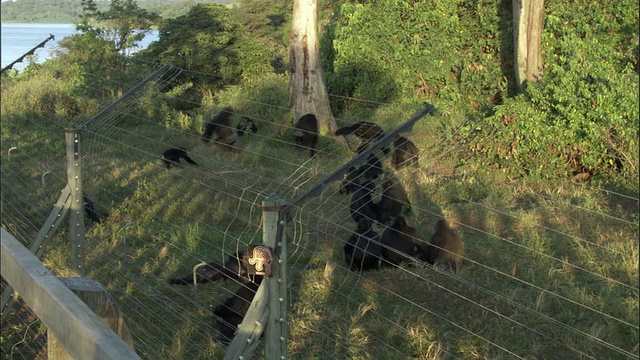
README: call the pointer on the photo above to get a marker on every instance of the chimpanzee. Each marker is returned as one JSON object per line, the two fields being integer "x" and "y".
{"x": 362, "y": 251}
{"x": 405, "y": 153}
{"x": 226, "y": 136}
{"x": 90, "y": 210}
{"x": 351, "y": 181}
{"x": 172, "y": 157}
{"x": 362, "y": 205}
{"x": 391, "y": 202}
{"x": 231, "y": 313}
{"x": 371, "y": 169}
{"x": 234, "y": 268}
{"x": 401, "y": 242}
{"x": 446, "y": 246}
{"x": 306, "y": 133}
{"x": 368, "y": 132}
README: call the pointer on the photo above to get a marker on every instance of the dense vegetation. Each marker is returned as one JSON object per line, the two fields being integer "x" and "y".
{"x": 543, "y": 183}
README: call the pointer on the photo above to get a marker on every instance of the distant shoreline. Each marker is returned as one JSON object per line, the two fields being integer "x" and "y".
{"x": 39, "y": 22}
{"x": 20, "y": 37}
{"x": 153, "y": 28}
{"x": 36, "y": 22}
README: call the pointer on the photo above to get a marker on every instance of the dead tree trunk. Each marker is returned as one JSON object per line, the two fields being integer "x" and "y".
{"x": 307, "y": 92}
{"x": 527, "y": 36}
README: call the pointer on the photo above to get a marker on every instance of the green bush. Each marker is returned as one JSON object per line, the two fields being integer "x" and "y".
{"x": 397, "y": 51}
{"x": 582, "y": 117}
{"x": 37, "y": 91}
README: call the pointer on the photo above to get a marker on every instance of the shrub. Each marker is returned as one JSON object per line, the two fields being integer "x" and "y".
{"x": 583, "y": 116}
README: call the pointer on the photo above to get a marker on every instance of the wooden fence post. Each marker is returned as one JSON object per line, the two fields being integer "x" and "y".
{"x": 76, "y": 215}
{"x": 98, "y": 299}
{"x": 83, "y": 333}
{"x": 267, "y": 311}
{"x": 277, "y": 336}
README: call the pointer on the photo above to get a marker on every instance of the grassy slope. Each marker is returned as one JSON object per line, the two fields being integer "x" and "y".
{"x": 534, "y": 249}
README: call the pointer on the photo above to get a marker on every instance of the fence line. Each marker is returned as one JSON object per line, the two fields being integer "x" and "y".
{"x": 83, "y": 334}
{"x": 197, "y": 213}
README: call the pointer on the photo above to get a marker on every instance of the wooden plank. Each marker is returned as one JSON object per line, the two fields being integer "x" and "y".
{"x": 80, "y": 331}
{"x": 50, "y": 226}
{"x": 44, "y": 236}
{"x": 100, "y": 302}
{"x": 252, "y": 326}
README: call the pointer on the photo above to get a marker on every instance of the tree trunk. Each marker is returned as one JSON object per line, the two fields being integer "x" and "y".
{"x": 307, "y": 92}
{"x": 527, "y": 37}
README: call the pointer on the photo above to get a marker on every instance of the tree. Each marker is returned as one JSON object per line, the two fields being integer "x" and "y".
{"x": 307, "y": 91}
{"x": 527, "y": 33}
{"x": 205, "y": 41}
{"x": 124, "y": 23}
{"x": 92, "y": 59}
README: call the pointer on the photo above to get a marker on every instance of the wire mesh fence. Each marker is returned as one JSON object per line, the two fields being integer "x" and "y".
{"x": 537, "y": 276}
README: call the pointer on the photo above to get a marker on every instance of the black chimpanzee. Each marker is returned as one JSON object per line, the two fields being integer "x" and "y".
{"x": 234, "y": 268}
{"x": 405, "y": 153}
{"x": 362, "y": 205}
{"x": 446, "y": 246}
{"x": 226, "y": 136}
{"x": 90, "y": 210}
{"x": 172, "y": 157}
{"x": 371, "y": 169}
{"x": 366, "y": 131}
{"x": 392, "y": 201}
{"x": 362, "y": 250}
{"x": 401, "y": 242}
{"x": 306, "y": 133}
{"x": 231, "y": 313}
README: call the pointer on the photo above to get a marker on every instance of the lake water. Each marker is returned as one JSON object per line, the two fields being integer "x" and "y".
{"x": 18, "y": 38}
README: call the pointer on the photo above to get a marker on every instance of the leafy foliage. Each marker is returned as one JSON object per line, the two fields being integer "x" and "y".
{"x": 90, "y": 62}
{"x": 266, "y": 50}
{"x": 410, "y": 51}
{"x": 125, "y": 23}
{"x": 203, "y": 42}
{"x": 583, "y": 116}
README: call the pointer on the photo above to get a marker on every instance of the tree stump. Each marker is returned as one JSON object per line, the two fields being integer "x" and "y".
{"x": 98, "y": 299}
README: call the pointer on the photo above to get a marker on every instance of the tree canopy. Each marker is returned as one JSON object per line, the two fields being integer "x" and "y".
{"x": 202, "y": 41}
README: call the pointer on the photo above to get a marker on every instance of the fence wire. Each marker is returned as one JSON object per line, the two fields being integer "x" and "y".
{"x": 534, "y": 281}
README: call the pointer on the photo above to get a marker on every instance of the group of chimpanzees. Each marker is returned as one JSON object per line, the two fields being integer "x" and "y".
{"x": 366, "y": 249}
{"x": 226, "y": 137}
{"x": 405, "y": 152}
